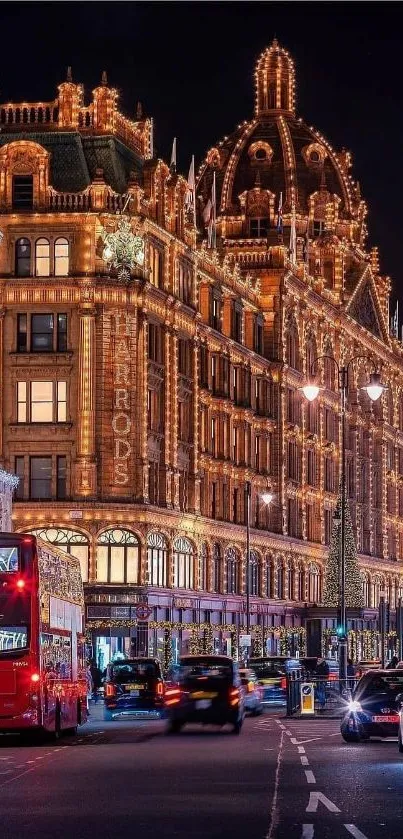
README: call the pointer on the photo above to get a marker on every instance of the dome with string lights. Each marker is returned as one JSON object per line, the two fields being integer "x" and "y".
{"x": 276, "y": 158}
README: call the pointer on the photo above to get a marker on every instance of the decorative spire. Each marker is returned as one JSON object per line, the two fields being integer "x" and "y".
{"x": 104, "y": 79}
{"x": 275, "y": 79}
{"x": 69, "y": 75}
{"x": 139, "y": 111}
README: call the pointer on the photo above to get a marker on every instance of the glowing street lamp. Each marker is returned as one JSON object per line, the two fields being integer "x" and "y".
{"x": 374, "y": 389}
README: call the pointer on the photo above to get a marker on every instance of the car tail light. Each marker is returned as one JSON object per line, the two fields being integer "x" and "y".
{"x": 172, "y": 696}
{"x": 160, "y": 689}
{"x": 283, "y": 683}
{"x": 234, "y": 696}
{"x": 110, "y": 690}
{"x": 333, "y": 677}
{"x": 250, "y": 687}
{"x": 20, "y": 584}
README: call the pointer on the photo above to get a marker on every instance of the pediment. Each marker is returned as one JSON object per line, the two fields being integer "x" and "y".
{"x": 365, "y": 309}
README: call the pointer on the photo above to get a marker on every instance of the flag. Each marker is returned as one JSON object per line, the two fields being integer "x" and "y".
{"x": 293, "y": 237}
{"x": 209, "y": 217}
{"x": 173, "y": 156}
{"x": 190, "y": 197}
{"x": 306, "y": 247}
{"x": 280, "y": 214}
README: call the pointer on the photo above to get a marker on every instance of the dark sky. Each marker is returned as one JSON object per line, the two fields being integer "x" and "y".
{"x": 191, "y": 64}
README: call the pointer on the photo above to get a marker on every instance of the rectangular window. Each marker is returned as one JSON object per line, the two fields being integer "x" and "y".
{"x": 61, "y": 333}
{"x": 328, "y": 526}
{"x": 42, "y": 333}
{"x": 237, "y": 322}
{"x": 23, "y": 192}
{"x": 215, "y": 311}
{"x": 61, "y": 413}
{"x": 185, "y": 282}
{"x": 61, "y": 257}
{"x": 258, "y": 228}
{"x": 156, "y": 266}
{"x": 40, "y": 474}
{"x": 19, "y": 471}
{"x": 258, "y": 342}
{"x": 22, "y": 333}
{"x": 61, "y": 465}
{"x": 21, "y": 401}
{"x": 41, "y": 401}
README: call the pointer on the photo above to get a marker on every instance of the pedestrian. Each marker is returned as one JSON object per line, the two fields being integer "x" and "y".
{"x": 90, "y": 684}
{"x": 392, "y": 664}
{"x": 96, "y": 680}
{"x": 350, "y": 668}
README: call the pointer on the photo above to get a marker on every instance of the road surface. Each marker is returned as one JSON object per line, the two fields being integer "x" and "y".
{"x": 279, "y": 780}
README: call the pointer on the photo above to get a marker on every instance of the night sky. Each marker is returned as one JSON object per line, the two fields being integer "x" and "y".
{"x": 192, "y": 64}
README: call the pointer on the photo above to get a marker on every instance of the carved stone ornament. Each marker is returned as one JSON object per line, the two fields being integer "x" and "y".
{"x": 123, "y": 248}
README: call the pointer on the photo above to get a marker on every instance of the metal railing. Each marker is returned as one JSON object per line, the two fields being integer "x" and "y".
{"x": 329, "y": 695}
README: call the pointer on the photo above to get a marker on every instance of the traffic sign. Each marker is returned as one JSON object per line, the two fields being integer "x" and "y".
{"x": 307, "y": 698}
{"x": 143, "y": 612}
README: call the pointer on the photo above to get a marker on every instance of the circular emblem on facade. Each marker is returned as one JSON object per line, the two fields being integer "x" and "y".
{"x": 143, "y": 612}
{"x": 123, "y": 249}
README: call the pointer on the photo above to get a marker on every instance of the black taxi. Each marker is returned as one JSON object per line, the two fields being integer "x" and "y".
{"x": 205, "y": 689}
{"x": 134, "y": 687}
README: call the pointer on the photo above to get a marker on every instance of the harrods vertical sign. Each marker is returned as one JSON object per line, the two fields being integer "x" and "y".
{"x": 118, "y": 443}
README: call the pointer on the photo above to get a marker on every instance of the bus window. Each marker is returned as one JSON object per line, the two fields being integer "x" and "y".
{"x": 13, "y": 637}
{"x": 8, "y": 560}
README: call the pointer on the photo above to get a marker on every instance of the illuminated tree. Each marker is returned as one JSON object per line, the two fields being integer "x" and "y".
{"x": 353, "y": 584}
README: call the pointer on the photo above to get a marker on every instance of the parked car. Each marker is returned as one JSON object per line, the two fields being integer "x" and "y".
{"x": 253, "y": 692}
{"x": 271, "y": 672}
{"x": 207, "y": 690}
{"x": 373, "y": 707}
{"x": 134, "y": 687}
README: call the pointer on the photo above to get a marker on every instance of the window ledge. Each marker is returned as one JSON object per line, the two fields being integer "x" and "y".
{"x": 66, "y": 425}
{"x": 57, "y": 353}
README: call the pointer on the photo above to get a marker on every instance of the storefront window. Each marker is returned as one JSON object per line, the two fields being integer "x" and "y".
{"x": 233, "y": 585}
{"x": 183, "y": 563}
{"x": 118, "y": 557}
{"x": 156, "y": 559}
{"x": 74, "y": 543}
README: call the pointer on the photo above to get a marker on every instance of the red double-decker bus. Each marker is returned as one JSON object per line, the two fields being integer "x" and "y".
{"x": 43, "y": 682}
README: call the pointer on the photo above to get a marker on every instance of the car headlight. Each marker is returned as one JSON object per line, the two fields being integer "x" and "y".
{"x": 354, "y": 706}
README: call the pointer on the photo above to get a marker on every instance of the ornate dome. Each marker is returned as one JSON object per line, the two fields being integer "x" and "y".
{"x": 277, "y": 153}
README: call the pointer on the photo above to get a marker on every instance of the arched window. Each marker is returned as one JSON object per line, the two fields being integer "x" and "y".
{"x": 42, "y": 258}
{"x": 290, "y": 581}
{"x": 216, "y": 569}
{"x": 71, "y": 541}
{"x": 329, "y": 368}
{"x": 22, "y": 258}
{"x": 61, "y": 257}
{"x": 292, "y": 347}
{"x": 157, "y": 552}
{"x": 300, "y": 583}
{"x": 118, "y": 557}
{"x": 233, "y": 583}
{"x": 254, "y": 574}
{"x": 310, "y": 357}
{"x": 203, "y": 561}
{"x": 328, "y": 272}
{"x": 183, "y": 563}
{"x": 269, "y": 577}
{"x": 313, "y": 583}
{"x": 365, "y": 589}
{"x": 272, "y": 94}
{"x": 280, "y": 581}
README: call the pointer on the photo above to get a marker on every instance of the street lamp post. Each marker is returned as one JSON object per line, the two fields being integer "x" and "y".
{"x": 267, "y": 498}
{"x": 374, "y": 389}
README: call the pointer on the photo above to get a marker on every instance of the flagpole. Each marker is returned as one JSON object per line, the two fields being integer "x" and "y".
{"x": 214, "y": 213}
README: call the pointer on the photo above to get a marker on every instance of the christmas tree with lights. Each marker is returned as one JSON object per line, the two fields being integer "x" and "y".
{"x": 353, "y": 585}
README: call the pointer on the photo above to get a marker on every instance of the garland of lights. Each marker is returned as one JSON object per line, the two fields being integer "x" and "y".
{"x": 362, "y": 643}
{"x": 353, "y": 585}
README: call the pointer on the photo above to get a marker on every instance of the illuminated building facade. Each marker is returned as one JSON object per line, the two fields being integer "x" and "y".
{"x": 134, "y": 411}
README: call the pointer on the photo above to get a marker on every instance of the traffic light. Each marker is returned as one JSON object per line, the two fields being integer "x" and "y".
{"x": 340, "y": 631}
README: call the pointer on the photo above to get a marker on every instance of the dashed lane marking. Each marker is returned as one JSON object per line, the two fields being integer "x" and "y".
{"x": 310, "y": 777}
{"x": 301, "y": 750}
{"x": 289, "y": 733}
{"x": 354, "y": 831}
{"x": 307, "y": 831}
{"x": 304, "y": 760}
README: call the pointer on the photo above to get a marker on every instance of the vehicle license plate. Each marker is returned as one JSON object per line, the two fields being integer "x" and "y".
{"x": 202, "y": 704}
{"x": 134, "y": 693}
{"x": 386, "y": 719}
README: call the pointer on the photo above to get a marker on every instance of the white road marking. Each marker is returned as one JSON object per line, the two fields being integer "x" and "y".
{"x": 282, "y": 726}
{"x": 304, "y": 760}
{"x": 315, "y": 797}
{"x": 6, "y": 772}
{"x": 273, "y": 810}
{"x": 289, "y": 733}
{"x": 301, "y": 750}
{"x": 310, "y": 777}
{"x": 354, "y": 831}
{"x": 307, "y": 831}
{"x": 298, "y": 742}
